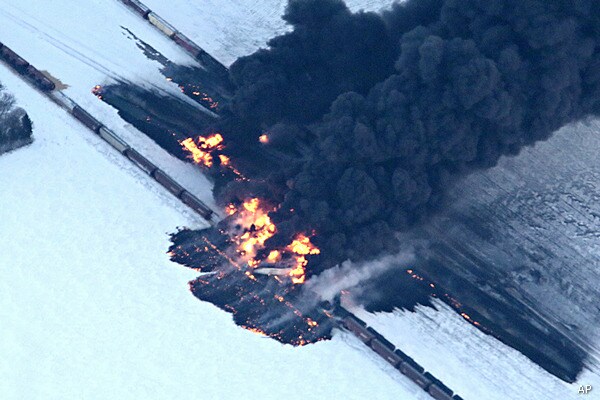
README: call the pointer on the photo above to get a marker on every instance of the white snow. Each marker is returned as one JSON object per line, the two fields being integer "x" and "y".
{"x": 473, "y": 364}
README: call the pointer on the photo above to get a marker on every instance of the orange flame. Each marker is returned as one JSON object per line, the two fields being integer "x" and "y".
{"x": 264, "y": 138}
{"x": 301, "y": 247}
{"x": 97, "y": 91}
{"x": 201, "y": 152}
{"x": 224, "y": 159}
{"x": 258, "y": 228}
{"x": 274, "y": 256}
{"x": 253, "y": 216}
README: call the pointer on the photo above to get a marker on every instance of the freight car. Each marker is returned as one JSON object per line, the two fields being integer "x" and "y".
{"x": 161, "y": 24}
{"x": 168, "y": 183}
{"x": 112, "y": 139}
{"x": 187, "y": 44}
{"x": 40, "y": 80}
{"x": 86, "y": 118}
{"x": 142, "y": 162}
{"x": 62, "y": 100}
{"x": 385, "y": 352}
{"x": 439, "y": 391}
{"x": 358, "y": 329}
{"x": 415, "y": 375}
{"x": 13, "y": 59}
{"x": 138, "y": 7}
{"x": 195, "y": 204}
{"x": 439, "y": 384}
{"x": 402, "y": 355}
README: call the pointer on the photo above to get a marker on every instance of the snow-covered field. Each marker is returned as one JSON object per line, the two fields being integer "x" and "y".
{"x": 90, "y": 305}
{"x": 475, "y": 365}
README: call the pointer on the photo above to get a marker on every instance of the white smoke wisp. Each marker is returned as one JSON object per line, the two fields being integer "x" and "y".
{"x": 348, "y": 276}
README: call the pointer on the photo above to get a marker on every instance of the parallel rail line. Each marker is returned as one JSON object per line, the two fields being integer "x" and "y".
{"x": 175, "y": 35}
{"x": 46, "y": 86}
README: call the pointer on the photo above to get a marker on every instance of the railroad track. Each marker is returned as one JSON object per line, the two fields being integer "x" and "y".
{"x": 396, "y": 357}
{"x": 46, "y": 86}
{"x": 175, "y": 35}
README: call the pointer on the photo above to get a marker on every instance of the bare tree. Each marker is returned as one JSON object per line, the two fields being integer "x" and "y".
{"x": 15, "y": 125}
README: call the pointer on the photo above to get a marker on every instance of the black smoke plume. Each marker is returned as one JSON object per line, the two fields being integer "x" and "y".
{"x": 371, "y": 117}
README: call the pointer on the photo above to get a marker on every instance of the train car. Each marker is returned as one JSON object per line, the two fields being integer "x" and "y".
{"x": 439, "y": 383}
{"x": 439, "y": 391}
{"x": 139, "y": 7}
{"x": 142, "y": 162}
{"x": 415, "y": 375}
{"x": 402, "y": 355}
{"x": 187, "y": 44}
{"x": 62, "y": 100}
{"x": 385, "y": 352}
{"x": 112, "y": 139}
{"x": 194, "y": 203}
{"x": 161, "y": 24}
{"x": 40, "y": 80}
{"x": 383, "y": 340}
{"x": 86, "y": 118}
{"x": 412, "y": 363}
{"x": 168, "y": 183}
{"x": 360, "y": 331}
{"x": 13, "y": 59}
{"x": 209, "y": 61}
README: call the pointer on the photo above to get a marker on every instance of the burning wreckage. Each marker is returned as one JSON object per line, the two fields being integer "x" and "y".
{"x": 417, "y": 98}
{"x": 260, "y": 284}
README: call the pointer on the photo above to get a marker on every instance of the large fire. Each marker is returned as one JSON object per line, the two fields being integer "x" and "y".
{"x": 202, "y": 149}
{"x": 246, "y": 274}
{"x": 301, "y": 247}
{"x": 256, "y": 228}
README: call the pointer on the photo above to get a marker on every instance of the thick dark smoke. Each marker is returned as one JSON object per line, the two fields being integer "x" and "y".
{"x": 373, "y": 116}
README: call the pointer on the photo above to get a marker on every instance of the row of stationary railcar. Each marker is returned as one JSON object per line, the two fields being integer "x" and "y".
{"x": 24, "y": 68}
{"x": 178, "y": 37}
{"x": 43, "y": 83}
{"x": 142, "y": 162}
{"x": 398, "y": 359}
